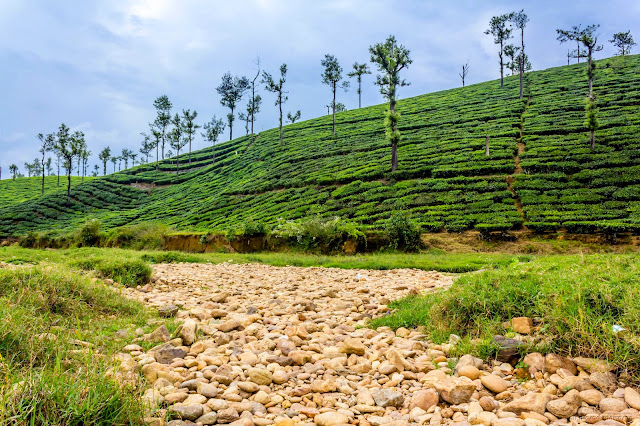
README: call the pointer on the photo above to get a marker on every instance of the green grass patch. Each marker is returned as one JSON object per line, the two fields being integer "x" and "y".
{"x": 45, "y": 378}
{"x": 577, "y": 299}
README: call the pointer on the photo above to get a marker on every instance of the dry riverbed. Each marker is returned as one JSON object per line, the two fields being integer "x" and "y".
{"x": 262, "y": 345}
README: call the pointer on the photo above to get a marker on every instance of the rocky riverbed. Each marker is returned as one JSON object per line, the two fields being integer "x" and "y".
{"x": 262, "y": 345}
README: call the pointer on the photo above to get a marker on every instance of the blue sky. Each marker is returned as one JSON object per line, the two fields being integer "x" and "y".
{"x": 98, "y": 65}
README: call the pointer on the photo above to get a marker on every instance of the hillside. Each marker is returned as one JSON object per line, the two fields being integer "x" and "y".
{"x": 540, "y": 171}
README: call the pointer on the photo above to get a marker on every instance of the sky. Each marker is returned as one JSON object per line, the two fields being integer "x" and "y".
{"x": 98, "y": 65}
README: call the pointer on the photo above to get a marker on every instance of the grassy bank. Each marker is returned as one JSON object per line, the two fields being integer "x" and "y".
{"x": 50, "y": 376}
{"x": 576, "y": 299}
{"x": 107, "y": 260}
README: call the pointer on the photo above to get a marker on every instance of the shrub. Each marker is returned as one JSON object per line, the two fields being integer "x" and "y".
{"x": 128, "y": 272}
{"x": 318, "y": 233}
{"x": 139, "y": 236}
{"x": 89, "y": 233}
{"x": 403, "y": 233}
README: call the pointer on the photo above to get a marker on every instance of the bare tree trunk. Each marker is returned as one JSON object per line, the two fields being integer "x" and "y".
{"x": 334, "y": 110}
{"x": 280, "y": 105}
{"x": 521, "y": 60}
{"x": 178, "y": 163}
{"x": 231, "y": 126}
{"x": 157, "y": 159}
{"x": 189, "y": 150}
{"x": 359, "y": 92}
{"x": 486, "y": 146}
{"x": 69, "y": 184}
{"x": 42, "y": 192}
{"x": 501, "y": 67}
{"x": 394, "y": 143}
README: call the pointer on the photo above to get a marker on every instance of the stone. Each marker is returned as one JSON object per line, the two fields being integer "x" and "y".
{"x": 555, "y": 362}
{"x": 591, "y": 396}
{"x": 508, "y": 349}
{"x": 593, "y": 365}
{"x": 536, "y": 402}
{"x": 535, "y": 361}
{"x": 188, "y": 331}
{"x": 468, "y": 371}
{"x": 230, "y": 325}
{"x": 396, "y": 359}
{"x": 187, "y": 412}
{"x": 220, "y": 297}
{"x": 387, "y": 398}
{"x": 330, "y": 418}
{"x": 261, "y": 397}
{"x": 248, "y": 387}
{"x": 260, "y": 376}
{"x": 632, "y": 398}
{"x": 606, "y": 382}
{"x": 364, "y": 397}
{"x": 207, "y": 390}
{"x": 469, "y": 360}
{"x": 300, "y": 357}
{"x": 494, "y": 383}
{"x": 487, "y": 403}
{"x": 612, "y": 404}
{"x": 522, "y": 325}
{"x": 279, "y": 377}
{"x": 566, "y": 406}
{"x": 286, "y": 346}
{"x": 159, "y": 335}
{"x": 167, "y": 353}
{"x": 227, "y": 415}
{"x": 455, "y": 391}
{"x": 323, "y": 386}
{"x": 423, "y": 399}
{"x": 210, "y": 418}
{"x": 168, "y": 311}
{"x": 352, "y": 346}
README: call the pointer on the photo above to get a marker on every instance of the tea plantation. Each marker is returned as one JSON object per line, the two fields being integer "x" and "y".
{"x": 540, "y": 172}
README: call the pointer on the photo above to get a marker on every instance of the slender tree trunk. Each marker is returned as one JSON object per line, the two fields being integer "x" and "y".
{"x": 486, "y": 146}
{"x": 178, "y": 163}
{"x": 189, "y": 150}
{"x": 163, "y": 131}
{"x": 359, "y": 91}
{"x": 394, "y": 143}
{"x": 157, "y": 144}
{"x": 69, "y": 184}
{"x": 521, "y": 60}
{"x": 334, "y": 110}
{"x": 462, "y": 75}
{"x": 58, "y": 167}
{"x": 280, "y": 105}
{"x": 589, "y": 67}
{"x": 213, "y": 151}
{"x": 104, "y": 168}
{"x": 231, "y": 125}
{"x": 501, "y": 67}
{"x": 42, "y": 192}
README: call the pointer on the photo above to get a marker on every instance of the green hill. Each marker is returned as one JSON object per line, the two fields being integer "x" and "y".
{"x": 540, "y": 171}
{"x": 29, "y": 188}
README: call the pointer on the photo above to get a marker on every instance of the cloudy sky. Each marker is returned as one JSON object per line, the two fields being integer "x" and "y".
{"x": 98, "y": 65}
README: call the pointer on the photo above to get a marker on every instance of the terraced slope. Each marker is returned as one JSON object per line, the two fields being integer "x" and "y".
{"x": 539, "y": 168}
{"x": 29, "y": 188}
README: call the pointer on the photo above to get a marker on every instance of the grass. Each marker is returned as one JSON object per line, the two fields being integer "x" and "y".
{"x": 110, "y": 261}
{"x": 444, "y": 181}
{"x": 45, "y": 378}
{"x": 576, "y": 299}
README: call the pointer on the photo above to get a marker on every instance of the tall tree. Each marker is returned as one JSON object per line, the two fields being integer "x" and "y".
{"x": 589, "y": 39}
{"x": 246, "y": 118}
{"x": 501, "y": 31}
{"x": 147, "y": 146}
{"x": 178, "y": 141}
{"x": 13, "y": 169}
{"x": 114, "y": 160}
{"x": 391, "y": 58}
{"x": 104, "y": 156}
{"x": 623, "y": 42}
{"x": 278, "y": 88}
{"x": 189, "y": 127}
{"x": 292, "y": 118}
{"x": 49, "y": 167}
{"x": 157, "y": 137}
{"x": 96, "y": 170}
{"x": 358, "y": 71}
{"x": 69, "y": 146}
{"x": 332, "y": 77}
{"x": 231, "y": 91}
{"x": 125, "y": 155}
{"x": 212, "y": 132}
{"x": 133, "y": 156}
{"x": 519, "y": 20}
{"x": 163, "y": 108}
{"x": 85, "y": 154}
{"x": 254, "y": 103}
{"x": 464, "y": 73}
{"x": 511, "y": 53}
{"x": 46, "y": 145}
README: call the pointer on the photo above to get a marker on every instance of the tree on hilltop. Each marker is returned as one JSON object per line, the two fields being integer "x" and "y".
{"x": 254, "y": 103}
{"x": 146, "y": 146}
{"x": 520, "y": 19}
{"x": 391, "y": 58}
{"x": 589, "y": 39}
{"x": 163, "y": 109}
{"x": 277, "y": 87}
{"x": 292, "y": 118}
{"x": 212, "y": 131}
{"x": 13, "y": 169}
{"x": 104, "y": 156}
{"x": 623, "y": 42}
{"x": 332, "y": 77}
{"x": 501, "y": 32}
{"x": 464, "y": 73}
{"x": 69, "y": 146}
{"x": 46, "y": 145}
{"x": 190, "y": 127}
{"x": 114, "y": 160}
{"x": 84, "y": 155}
{"x": 125, "y": 155}
{"x": 358, "y": 71}
{"x": 511, "y": 53}
{"x": 178, "y": 141}
{"x": 231, "y": 90}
